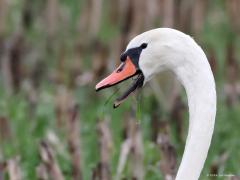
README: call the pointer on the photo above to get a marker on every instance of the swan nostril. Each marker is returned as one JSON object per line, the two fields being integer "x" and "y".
{"x": 120, "y": 68}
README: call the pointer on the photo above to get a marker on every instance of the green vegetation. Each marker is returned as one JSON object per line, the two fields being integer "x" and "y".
{"x": 29, "y": 122}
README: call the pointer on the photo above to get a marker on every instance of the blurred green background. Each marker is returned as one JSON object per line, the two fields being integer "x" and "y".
{"x": 54, "y": 125}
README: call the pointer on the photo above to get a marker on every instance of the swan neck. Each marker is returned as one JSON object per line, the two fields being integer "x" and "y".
{"x": 200, "y": 88}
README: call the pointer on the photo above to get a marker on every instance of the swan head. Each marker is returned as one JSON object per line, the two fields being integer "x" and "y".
{"x": 129, "y": 67}
{"x": 146, "y": 55}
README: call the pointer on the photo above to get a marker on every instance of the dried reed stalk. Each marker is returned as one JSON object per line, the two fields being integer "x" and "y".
{"x": 95, "y": 18}
{"x": 219, "y": 163}
{"x": 176, "y": 116}
{"x": 102, "y": 171}
{"x": 11, "y": 62}
{"x": 73, "y": 133}
{"x": 232, "y": 86}
{"x": 198, "y": 16}
{"x": 185, "y": 11}
{"x": 100, "y": 56}
{"x": 234, "y": 177}
{"x": 68, "y": 119}
{"x": 5, "y": 131}
{"x": 63, "y": 101}
{"x": 167, "y": 13}
{"x": 3, "y": 13}
{"x": 3, "y": 166}
{"x": 137, "y": 17}
{"x": 136, "y": 151}
{"x": 233, "y": 11}
{"x": 152, "y": 13}
{"x": 6, "y": 70}
{"x": 49, "y": 161}
{"x": 168, "y": 153}
{"x": 41, "y": 172}
{"x": 52, "y": 17}
{"x": 125, "y": 149}
{"x": 13, "y": 168}
{"x": 90, "y": 19}
{"x": 132, "y": 147}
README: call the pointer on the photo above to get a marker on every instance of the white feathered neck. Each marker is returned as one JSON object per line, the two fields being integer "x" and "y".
{"x": 173, "y": 50}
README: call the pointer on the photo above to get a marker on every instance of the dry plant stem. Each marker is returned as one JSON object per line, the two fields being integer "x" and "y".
{"x": 90, "y": 19}
{"x": 49, "y": 161}
{"x": 3, "y": 12}
{"x": 27, "y": 14}
{"x": 6, "y": 71}
{"x": 41, "y": 172}
{"x": 95, "y": 18}
{"x": 132, "y": 147}
{"x": 114, "y": 12}
{"x": 177, "y": 116}
{"x": 219, "y": 163}
{"x": 233, "y": 7}
{"x": 14, "y": 170}
{"x": 168, "y": 153}
{"x": 125, "y": 149}
{"x": 175, "y": 93}
{"x": 185, "y": 12}
{"x": 152, "y": 10}
{"x": 168, "y": 13}
{"x": 198, "y": 16}
{"x": 2, "y": 169}
{"x": 52, "y": 17}
{"x": 137, "y": 152}
{"x": 63, "y": 102}
{"x": 232, "y": 86}
{"x": 213, "y": 60}
{"x": 11, "y": 62}
{"x": 125, "y": 17}
{"x": 68, "y": 118}
{"x": 73, "y": 133}
{"x": 5, "y": 131}
{"x": 234, "y": 178}
{"x": 99, "y": 64}
{"x": 105, "y": 142}
{"x": 137, "y": 7}
{"x": 232, "y": 69}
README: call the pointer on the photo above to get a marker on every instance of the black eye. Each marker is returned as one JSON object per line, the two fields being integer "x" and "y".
{"x": 123, "y": 57}
{"x": 144, "y": 45}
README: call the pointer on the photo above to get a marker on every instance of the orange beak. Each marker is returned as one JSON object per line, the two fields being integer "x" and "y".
{"x": 126, "y": 70}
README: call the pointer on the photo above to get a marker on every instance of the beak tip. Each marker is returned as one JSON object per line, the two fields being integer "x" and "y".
{"x": 116, "y": 104}
{"x": 98, "y": 87}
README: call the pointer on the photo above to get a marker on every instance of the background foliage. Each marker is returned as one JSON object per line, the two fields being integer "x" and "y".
{"x": 52, "y": 53}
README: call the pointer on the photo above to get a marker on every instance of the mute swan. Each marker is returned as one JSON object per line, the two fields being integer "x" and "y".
{"x": 156, "y": 50}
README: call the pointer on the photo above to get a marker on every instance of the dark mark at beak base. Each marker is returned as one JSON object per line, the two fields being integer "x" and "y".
{"x": 136, "y": 84}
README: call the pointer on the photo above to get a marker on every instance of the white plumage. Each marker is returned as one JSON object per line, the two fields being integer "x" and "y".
{"x": 173, "y": 50}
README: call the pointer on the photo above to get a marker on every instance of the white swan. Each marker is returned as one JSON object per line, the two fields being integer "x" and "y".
{"x": 159, "y": 49}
